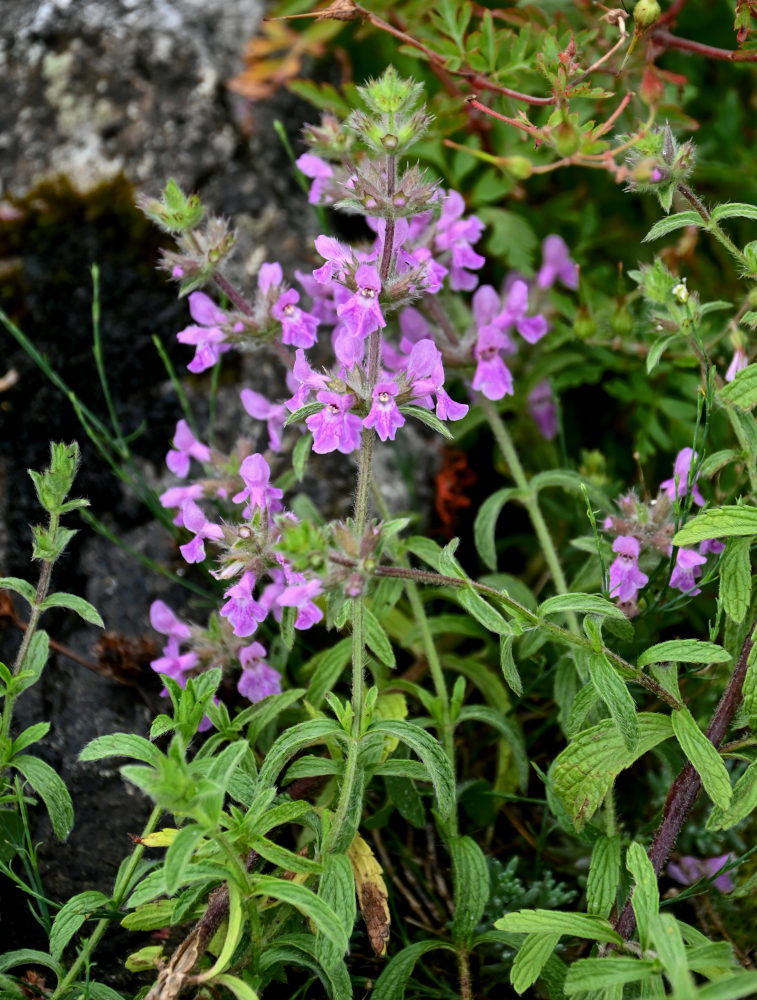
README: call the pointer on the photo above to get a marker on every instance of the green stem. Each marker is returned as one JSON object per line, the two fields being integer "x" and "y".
{"x": 713, "y": 227}
{"x": 123, "y": 885}
{"x": 529, "y": 500}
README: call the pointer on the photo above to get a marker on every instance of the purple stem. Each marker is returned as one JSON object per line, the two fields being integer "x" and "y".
{"x": 686, "y": 787}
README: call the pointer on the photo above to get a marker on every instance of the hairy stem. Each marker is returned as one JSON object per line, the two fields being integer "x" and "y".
{"x": 687, "y": 785}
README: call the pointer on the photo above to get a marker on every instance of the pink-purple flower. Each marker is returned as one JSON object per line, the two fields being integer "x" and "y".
{"x": 205, "y": 334}
{"x": 687, "y": 569}
{"x": 556, "y": 264}
{"x": 241, "y": 609}
{"x": 456, "y": 234}
{"x": 258, "y": 491}
{"x": 262, "y": 409}
{"x": 257, "y": 679}
{"x": 739, "y": 361}
{"x": 626, "y": 579}
{"x": 194, "y": 520}
{"x": 298, "y": 326}
{"x": 361, "y": 313}
{"x": 681, "y": 471}
{"x": 543, "y": 409}
{"x": 688, "y": 870}
{"x": 384, "y": 414}
{"x": 334, "y": 427}
{"x": 320, "y": 173}
{"x": 185, "y": 447}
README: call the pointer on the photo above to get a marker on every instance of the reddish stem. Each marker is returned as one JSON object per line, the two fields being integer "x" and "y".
{"x": 668, "y": 41}
{"x": 686, "y": 787}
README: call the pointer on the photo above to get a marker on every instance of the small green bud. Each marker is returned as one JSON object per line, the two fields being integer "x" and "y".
{"x": 519, "y": 167}
{"x": 584, "y": 325}
{"x": 389, "y": 142}
{"x": 681, "y": 292}
{"x": 646, "y": 13}
{"x": 621, "y": 320}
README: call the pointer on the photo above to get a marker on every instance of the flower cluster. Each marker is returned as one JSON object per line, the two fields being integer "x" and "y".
{"x": 649, "y": 528}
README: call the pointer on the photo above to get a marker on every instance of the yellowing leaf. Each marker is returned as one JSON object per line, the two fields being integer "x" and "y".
{"x": 371, "y": 893}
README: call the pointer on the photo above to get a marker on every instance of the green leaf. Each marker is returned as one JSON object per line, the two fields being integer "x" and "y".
{"x": 683, "y": 651}
{"x": 668, "y": 943}
{"x": 150, "y": 917}
{"x": 426, "y": 550}
{"x": 736, "y": 578}
{"x": 337, "y": 890}
{"x": 240, "y": 989}
{"x": 428, "y": 418}
{"x": 600, "y": 973}
{"x": 734, "y": 210}
{"x": 235, "y": 924}
{"x": 583, "y": 925}
{"x": 532, "y": 956}
{"x": 49, "y": 785}
{"x": 121, "y": 745}
{"x": 734, "y": 987}
{"x": 377, "y": 639}
{"x": 29, "y": 956}
{"x": 292, "y": 741}
{"x": 83, "y": 608}
{"x": 718, "y": 522}
{"x": 498, "y": 720}
{"x": 179, "y": 855}
{"x": 703, "y": 756}
{"x": 586, "y": 603}
{"x": 29, "y": 736}
{"x": 402, "y": 792}
{"x": 604, "y": 871}
{"x": 34, "y": 661}
{"x": 658, "y": 349}
{"x": 507, "y": 664}
{"x": 616, "y": 696}
{"x": 18, "y": 586}
{"x": 432, "y": 755}
{"x": 71, "y": 916}
{"x": 483, "y": 612}
{"x": 302, "y": 899}
{"x": 283, "y": 857}
{"x": 470, "y": 879}
{"x": 672, "y": 223}
{"x": 448, "y": 565}
{"x": 584, "y": 771}
{"x": 391, "y": 984}
{"x": 743, "y": 802}
{"x": 742, "y": 392}
{"x": 486, "y": 522}
{"x": 645, "y": 897}
{"x": 511, "y": 239}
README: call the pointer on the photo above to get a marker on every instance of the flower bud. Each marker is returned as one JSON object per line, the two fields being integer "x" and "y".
{"x": 646, "y": 13}
{"x": 584, "y": 325}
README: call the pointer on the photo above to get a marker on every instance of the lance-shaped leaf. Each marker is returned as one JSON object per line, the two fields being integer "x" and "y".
{"x": 470, "y": 874}
{"x": 719, "y": 522}
{"x": 585, "y": 770}
{"x": 673, "y": 222}
{"x": 736, "y": 578}
{"x": 704, "y": 757}
{"x": 433, "y": 756}
{"x": 602, "y": 881}
{"x": 645, "y": 897}
{"x": 684, "y": 651}
{"x": 616, "y": 696}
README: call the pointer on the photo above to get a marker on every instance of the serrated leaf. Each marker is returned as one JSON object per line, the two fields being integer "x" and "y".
{"x": 645, "y": 897}
{"x": 18, "y": 586}
{"x": 672, "y": 223}
{"x": 538, "y": 921}
{"x": 377, "y": 639}
{"x": 734, "y": 987}
{"x": 616, "y": 696}
{"x": 604, "y": 871}
{"x": 532, "y": 956}
{"x": 432, "y": 755}
{"x": 584, "y": 771}
{"x": 718, "y": 522}
{"x": 71, "y": 916}
{"x": 736, "y": 578}
{"x": 657, "y": 350}
{"x": 612, "y": 970}
{"x": 121, "y": 745}
{"x": 683, "y": 651}
{"x": 585, "y": 603}
{"x": 337, "y": 890}
{"x": 283, "y": 857}
{"x": 742, "y": 391}
{"x": 470, "y": 875}
{"x": 292, "y": 741}
{"x": 30, "y": 956}
{"x": 51, "y": 789}
{"x": 83, "y": 608}
{"x": 743, "y": 802}
{"x": 703, "y": 756}
{"x": 734, "y": 210}
{"x": 485, "y": 524}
